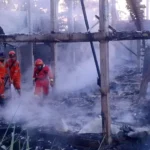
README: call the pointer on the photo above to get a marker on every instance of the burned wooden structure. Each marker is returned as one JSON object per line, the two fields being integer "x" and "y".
{"x": 76, "y": 37}
{"x": 103, "y": 36}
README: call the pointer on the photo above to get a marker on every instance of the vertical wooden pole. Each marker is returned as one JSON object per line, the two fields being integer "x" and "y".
{"x": 29, "y": 16}
{"x": 53, "y": 27}
{"x": 104, "y": 66}
{"x": 70, "y": 15}
{"x": 139, "y": 55}
{"x": 147, "y": 9}
{"x": 114, "y": 18}
{"x": 71, "y": 54}
{"x": 18, "y": 55}
{"x": 31, "y": 59}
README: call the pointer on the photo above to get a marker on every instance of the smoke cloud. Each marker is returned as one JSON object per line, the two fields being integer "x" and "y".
{"x": 32, "y": 112}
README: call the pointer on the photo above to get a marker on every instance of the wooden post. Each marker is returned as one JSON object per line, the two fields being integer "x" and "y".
{"x": 114, "y": 18}
{"x": 70, "y": 16}
{"x": 18, "y": 55}
{"x": 29, "y": 16}
{"x": 31, "y": 59}
{"x": 104, "y": 66}
{"x": 147, "y": 9}
{"x": 71, "y": 54}
{"x": 53, "y": 27}
{"x": 139, "y": 55}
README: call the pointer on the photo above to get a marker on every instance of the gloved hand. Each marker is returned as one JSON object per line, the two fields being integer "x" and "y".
{"x": 51, "y": 82}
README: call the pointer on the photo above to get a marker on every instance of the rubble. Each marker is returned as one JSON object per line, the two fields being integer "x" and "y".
{"x": 80, "y": 114}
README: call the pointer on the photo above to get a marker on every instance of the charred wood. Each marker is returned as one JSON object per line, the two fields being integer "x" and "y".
{"x": 76, "y": 37}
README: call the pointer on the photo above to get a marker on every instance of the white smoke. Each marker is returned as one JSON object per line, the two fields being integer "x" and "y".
{"x": 31, "y": 112}
{"x": 13, "y": 22}
{"x": 51, "y": 113}
{"x": 84, "y": 75}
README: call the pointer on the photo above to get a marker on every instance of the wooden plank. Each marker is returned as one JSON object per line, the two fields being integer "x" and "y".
{"x": 57, "y": 37}
{"x": 76, "y": 37}
{"x": 104, "y": 66}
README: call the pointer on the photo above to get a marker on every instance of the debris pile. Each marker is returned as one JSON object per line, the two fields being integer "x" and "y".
{"x": 80, "y": 113}
{"x": 126, "y": 82}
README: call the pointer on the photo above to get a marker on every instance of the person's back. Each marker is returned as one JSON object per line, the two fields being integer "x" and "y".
{"x": 13, "y": 69}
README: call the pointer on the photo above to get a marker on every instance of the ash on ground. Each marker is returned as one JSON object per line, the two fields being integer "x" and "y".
{"x": 73, "y": 121}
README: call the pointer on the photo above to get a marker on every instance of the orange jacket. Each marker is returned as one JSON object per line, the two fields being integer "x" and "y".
{"x": 13, "y": 70}
{"x": 3, "y": 70}
{"x": 45, "y": 73}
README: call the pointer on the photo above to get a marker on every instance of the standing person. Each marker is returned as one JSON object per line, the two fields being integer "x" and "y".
{"x": 13, "y": 69}
{"x": 3, "y": 74}
{"x": 42, "y": 77}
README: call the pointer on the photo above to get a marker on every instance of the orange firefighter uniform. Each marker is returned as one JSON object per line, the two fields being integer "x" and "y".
{"x": 13, "y": 68}
{"x": 42, "y": 77}
{"x": 3, "y": 73}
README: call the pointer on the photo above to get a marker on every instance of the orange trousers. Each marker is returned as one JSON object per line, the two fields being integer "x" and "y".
{"x": 42, "y": 87}
{"x": 2, "y": 88}
{"x": 17, "y": 83}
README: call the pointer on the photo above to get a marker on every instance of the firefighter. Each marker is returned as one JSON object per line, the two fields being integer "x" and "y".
{"x": 3, "y": 74}
{"x": 42, "y": 78}
{"x": 13, "y": 69}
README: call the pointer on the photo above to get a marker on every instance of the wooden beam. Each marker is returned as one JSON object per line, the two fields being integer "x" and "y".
{"x": 104, "y": 67}
{"x": 76, "y": 37}
{"x": 57, "y": 37}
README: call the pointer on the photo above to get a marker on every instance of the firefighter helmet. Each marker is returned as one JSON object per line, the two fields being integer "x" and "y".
{"x": 39, "y": 62}
{"x": 12, "y": 54}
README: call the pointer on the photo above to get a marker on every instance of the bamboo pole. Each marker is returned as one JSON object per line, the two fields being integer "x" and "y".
{"x": 104, "y": 67}
{"x": 53, "y": 27}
